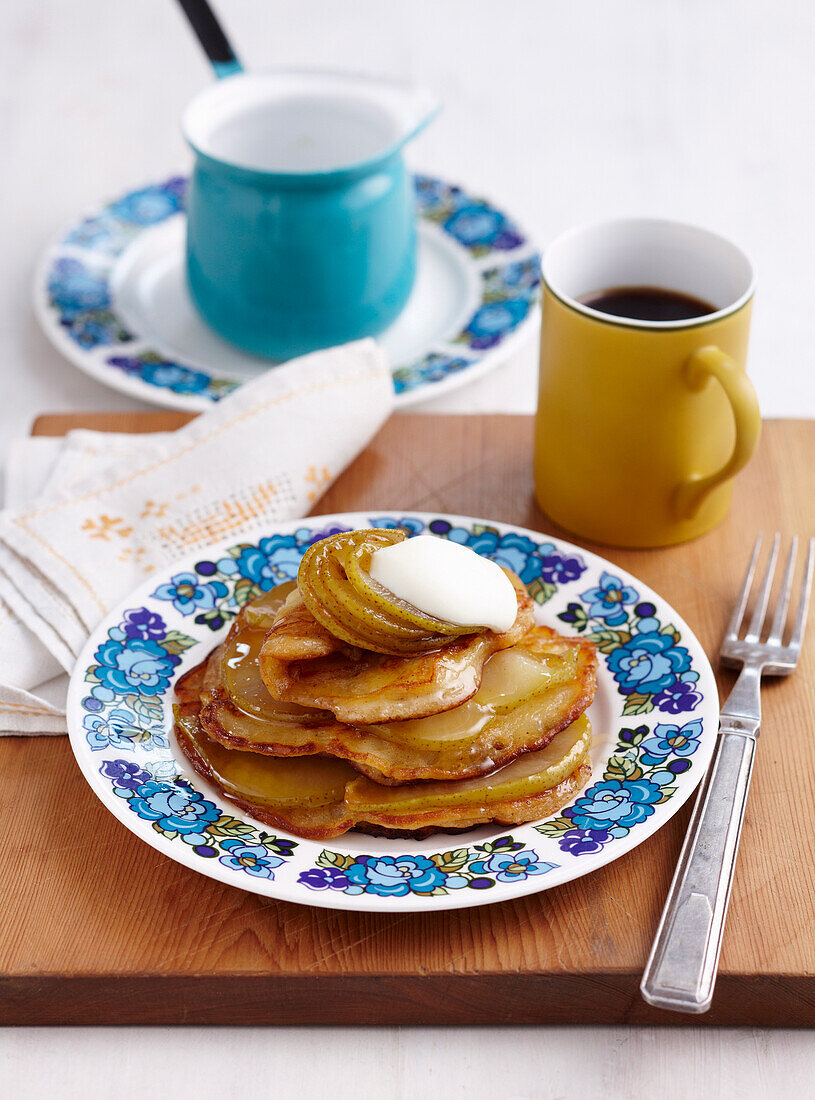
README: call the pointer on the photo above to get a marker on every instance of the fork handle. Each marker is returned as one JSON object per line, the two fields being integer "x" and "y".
{"x": 681, "y": 970}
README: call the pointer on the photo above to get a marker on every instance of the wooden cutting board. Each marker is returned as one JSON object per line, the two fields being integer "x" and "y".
{"x": 98, "y": 928}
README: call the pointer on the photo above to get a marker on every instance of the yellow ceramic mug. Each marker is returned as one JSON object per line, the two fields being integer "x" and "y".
{"x": 642, "y": 425}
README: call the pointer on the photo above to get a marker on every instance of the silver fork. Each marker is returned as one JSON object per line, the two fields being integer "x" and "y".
{"x": 681, "y": 969}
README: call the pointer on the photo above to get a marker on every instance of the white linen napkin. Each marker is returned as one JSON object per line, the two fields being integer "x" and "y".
{"x": 92, "y": 515}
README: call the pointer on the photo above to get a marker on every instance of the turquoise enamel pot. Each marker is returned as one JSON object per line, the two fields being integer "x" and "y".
{"x": 301, "y": 223}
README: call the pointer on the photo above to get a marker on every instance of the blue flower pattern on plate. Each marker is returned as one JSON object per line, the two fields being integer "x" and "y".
{"x": 178, "y": 811}
{"x": 189, "y": 593}
{"x": 109, "y": 232}
{"x": 644, "y": 657}
{"x": 637, "y": 778}
{"x": 395, "y": 875}
{"x": 119, "y": 728}
{"x": 609, "y": 599}
{"x": 80, "y": 294}
{"x": 679, "y": 696}
{"x": 138, "y": 622}
{"x": 126, "y": 775}
{"x": 479, "y": 868}
{"x": 511, "y": 866}
{"x": 612, "y": 803}
{"x": 435, "y": 367}
{"x": 137, "y": 664}
{"x": 582, "y": 841}
{"x": 490, "y": 324}
{"x": 481, "y": 227}
{"x": 175, "y": 807}
{"x": 271, "y": 562}
{"x": 133, "y": 669}
{"x": 324, "y": 878}
{"x": 474, "y": 223}
{"x": 255, "y": 859}
{"x": 74, "y": 288}
{"x": 669, "y": 739}
{"x": 648, "y": 663}
{"x": 152, "y": 204}
{"x": 165, "y": 374}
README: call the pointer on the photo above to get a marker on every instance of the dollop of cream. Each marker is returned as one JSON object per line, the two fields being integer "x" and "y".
{"x": 450, "y": 581}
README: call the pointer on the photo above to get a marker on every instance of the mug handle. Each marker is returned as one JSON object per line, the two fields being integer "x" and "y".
{"x": 700, "y": 366}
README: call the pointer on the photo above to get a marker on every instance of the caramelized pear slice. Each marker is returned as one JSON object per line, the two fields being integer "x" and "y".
{"x": 295, "y": 634}
{"x": 513, "y": 675}
{"x": 357, "y": 565}
{"x": 263, "y": 610}
{"x": 530, "y": 774}
{"x": 510, "y": 678}
{"x": 269, "y": 781}
{"x": 329, "y": 802}
{"x": 241, "y": 678}
{"x": 334, "y": 581}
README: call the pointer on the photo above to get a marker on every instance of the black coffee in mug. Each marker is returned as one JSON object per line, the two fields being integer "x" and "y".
{"x": 647, "y": 303}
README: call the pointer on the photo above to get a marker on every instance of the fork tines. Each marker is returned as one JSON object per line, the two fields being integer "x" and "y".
{"x": 736, "y": 649}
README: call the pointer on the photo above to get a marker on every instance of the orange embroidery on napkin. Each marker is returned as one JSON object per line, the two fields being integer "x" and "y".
{"x": 154, "y": 510}
{"x": 320, "y": 481}
{"x": 361, "y": 376}
{"x": 105, "y": 526}
{"x": 134, "y": 554}
{"x": 221, "y": 518}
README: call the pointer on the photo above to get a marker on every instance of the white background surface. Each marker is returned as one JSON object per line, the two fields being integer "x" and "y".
{"x": 695, "y": 109}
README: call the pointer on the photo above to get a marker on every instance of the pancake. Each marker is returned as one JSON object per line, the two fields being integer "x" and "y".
{"x": 528, "y": 693}
{"x": 363, "y": 687}
{"x": 323, "y": 797}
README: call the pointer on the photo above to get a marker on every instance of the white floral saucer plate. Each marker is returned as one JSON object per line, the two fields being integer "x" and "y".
{"x": 112, "y": 297}
{"x": 655, "y": 720}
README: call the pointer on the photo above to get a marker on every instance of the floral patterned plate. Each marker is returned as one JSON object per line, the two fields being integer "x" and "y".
{"x": 655, "y": 719}
{"x": 111, "y": 295}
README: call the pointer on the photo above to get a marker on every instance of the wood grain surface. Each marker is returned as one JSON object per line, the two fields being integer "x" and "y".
{"x": 99, "y": 928}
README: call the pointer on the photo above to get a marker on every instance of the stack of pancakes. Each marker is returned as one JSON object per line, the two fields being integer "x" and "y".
{"x": 313, "y": 735}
